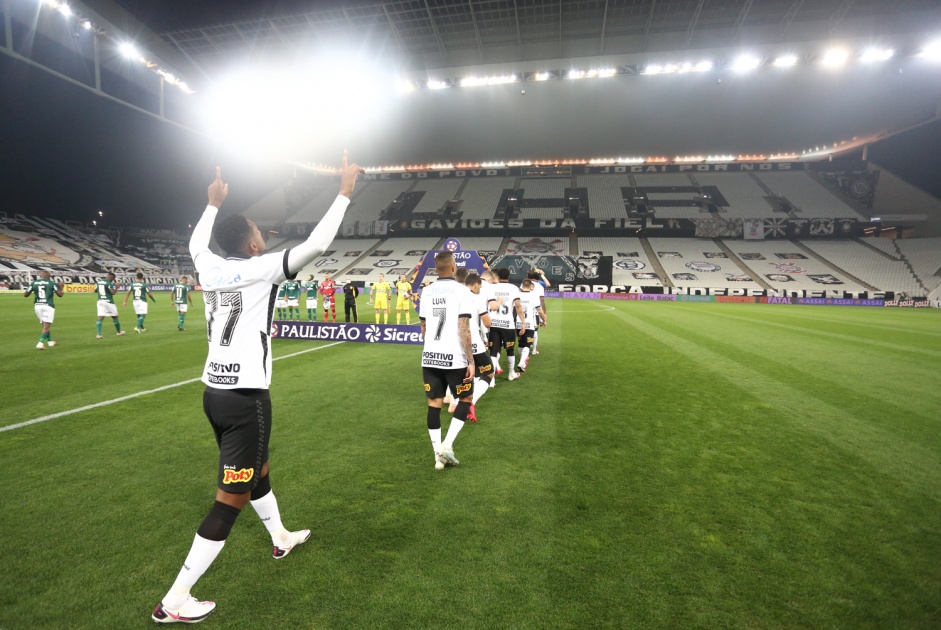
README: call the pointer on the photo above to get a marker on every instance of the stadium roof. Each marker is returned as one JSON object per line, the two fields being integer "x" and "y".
{"x": 442, "y": 33}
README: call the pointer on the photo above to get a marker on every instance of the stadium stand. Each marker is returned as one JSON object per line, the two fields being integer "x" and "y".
{"x": 392, "y": 257}
{"x": 437, "y": 193}
{"x": 537, "y": 245}
{"x": 807, "y": 195}
{"x": 631, "y": 265}
{"x": 343, "y": 253}
{"x": 534, "y": 189}
{"x": 374, "y": 197}
{"x": 784, "y": 265}
{"x": 745, "y": 197}
{"x": 869, "y": 266}
{"x": 605, "y": 199}
{"x": 699, "y": 263}
{"x": 924, "y": 255}
{"x": 481, "y": 196}
{"x": 486, "y": 246}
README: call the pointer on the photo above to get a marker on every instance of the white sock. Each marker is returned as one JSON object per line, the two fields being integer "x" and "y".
{"x": 480, "y": 388}
{"x": 524, "y": 354}
{"x": 453, "y": 430}
{"x": 201, "y": 555}
{"x": 536, "y": 339}
{"x": 512, "y": 363}
{"x": 435, "y": 439}
{"x": 267, "y": 510}
{"x": 496, "y": 363}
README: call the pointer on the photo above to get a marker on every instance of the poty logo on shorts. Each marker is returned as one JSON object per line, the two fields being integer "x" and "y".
{"x": 372, "y": 334}
{"x": 240, "y": 476}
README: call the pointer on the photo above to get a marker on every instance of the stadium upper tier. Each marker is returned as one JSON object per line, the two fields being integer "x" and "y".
{"x": 690, "y": 195}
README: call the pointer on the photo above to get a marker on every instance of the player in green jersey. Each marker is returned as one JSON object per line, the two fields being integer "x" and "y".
{"x": 179, "y": 296}
{"x": 292, "y": 294}
{"x": 280, "y": 303}
{"x": 311, "y": 286}
{"x": 105, "y": 289}
{"x": 141, "y": 292}
{"x": 45, "y": 291}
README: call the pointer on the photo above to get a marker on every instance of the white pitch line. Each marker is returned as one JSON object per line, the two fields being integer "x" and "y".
{"x": 144, "y": 393}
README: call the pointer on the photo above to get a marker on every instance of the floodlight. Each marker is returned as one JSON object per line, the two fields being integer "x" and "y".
{"x": 932, "y": 51}
{"x": 653, "y": 69}
{"x": 86, "y": 25}
{"x": 835, "y": 58}
{"x": 541, "y": 76}
{"x": 64, "y": 9}
{"x": 128, "y": 50}
{"x": 785, "y": 61}
{"x": 877, "y": 54}
{"x": 670, "y": 68}
{"x": 607, "y": 72}
{"x": 434, "y": 84}
{"x": 720, "y": 158}
{"x": 703, "y": 66}
{"x": 744, "y": 63}
{"x": 575, "y": 74}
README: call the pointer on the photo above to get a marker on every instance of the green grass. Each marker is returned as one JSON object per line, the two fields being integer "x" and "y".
{"x": 661, "y": 465}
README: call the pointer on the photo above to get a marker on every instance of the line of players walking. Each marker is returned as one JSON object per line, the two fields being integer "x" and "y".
{"x": 468, "y": 321}
{"x": 44, "y": 291}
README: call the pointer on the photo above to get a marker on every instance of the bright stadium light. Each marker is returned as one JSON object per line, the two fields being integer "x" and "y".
{"x": 703, "y": 66}
{"x": 128, "y": 50}
{"x": 405, "y": 86}
{"x": 64, "y": 9}
{"x": 653, "y": 69}
{"x": 575, "y": 74}
{"x": 871, "y": 55}
{"x": 745, "y": 63}
{"x": 86, "y": 25}
{"x": 835, "y": 58}
{"x": 720, "y": 158}
{"x": 541, "y": 76}
{"x": 785, "y": 61}
{"x": 670, "y": 68}
{"x": 932, "y": 51}
{"x": 434, "y": 84}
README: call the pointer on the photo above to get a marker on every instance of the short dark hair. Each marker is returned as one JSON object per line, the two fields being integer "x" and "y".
{"x": 443, "y": 262}
{"x": 461, "y": 274}
{"x": 503, "y": 273}
{"x": 532, "y": 274}
{"x": 472, "y": 279}
{"x": 232, "y": 233}
{"x": 140, "y": 276}
{"x": 110, "y": 273}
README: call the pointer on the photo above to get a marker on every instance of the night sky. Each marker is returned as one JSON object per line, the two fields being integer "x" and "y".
{"x": 67, "y": 153}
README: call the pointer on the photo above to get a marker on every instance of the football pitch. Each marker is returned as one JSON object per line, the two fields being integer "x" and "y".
{"x": 660, "y": 465}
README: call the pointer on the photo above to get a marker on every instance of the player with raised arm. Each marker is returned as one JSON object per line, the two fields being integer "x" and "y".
{"x": 403, "y": 291}
{"x": 45, "y": 291}
{"x": 105, "y": 290}
{"x": 503, "y": 326}
{"x": 447, "y": 357}
{"x": 328, "y": 289}
{"x": 239, "y": 293}
{"x": 141, "y": 292}
{"x": 380, "y": 293}
{"x": 311, "y": 287}
{"x": 532, "y": 311}
{"x": 179, "y": 296}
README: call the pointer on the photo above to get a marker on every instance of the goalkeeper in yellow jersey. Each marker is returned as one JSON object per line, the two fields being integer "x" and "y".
{"x": 403, "y": 291}
{"x": 381, "y": 293}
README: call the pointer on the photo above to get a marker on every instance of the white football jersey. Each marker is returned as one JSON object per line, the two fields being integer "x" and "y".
{"x": 443, "y": 302}
{"x": 530, "y": 302}
{"x": 239, "y": 295}
{"x": 478, "y": 344}
{"x": 505, "y": 316}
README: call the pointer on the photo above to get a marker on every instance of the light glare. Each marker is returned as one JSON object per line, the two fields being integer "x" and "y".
{"x": 877, "y": 54}
{"x": 785, "y": 61}
{"x": 835, "y": 58}
{"x": 745, "y": 63}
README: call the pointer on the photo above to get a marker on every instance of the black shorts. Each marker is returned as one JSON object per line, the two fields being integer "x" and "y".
{"x": 526, "y": 339}
{"x": 440, "y": 380}
{"x": 241, "y": 420}
{"x": 502, "y": 338}
{"x": 484, "y": 365}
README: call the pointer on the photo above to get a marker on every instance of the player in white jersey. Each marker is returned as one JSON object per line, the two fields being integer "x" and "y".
{"x": 532, "y": 311}
{"x": 447, "y": 358}
{"x": 540, "y": 282}
{"x": 503, "y": 322}
{"x": 480, "y": 323}
{"x": 488, "y": 284}
{"x": 239, "y": 292}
